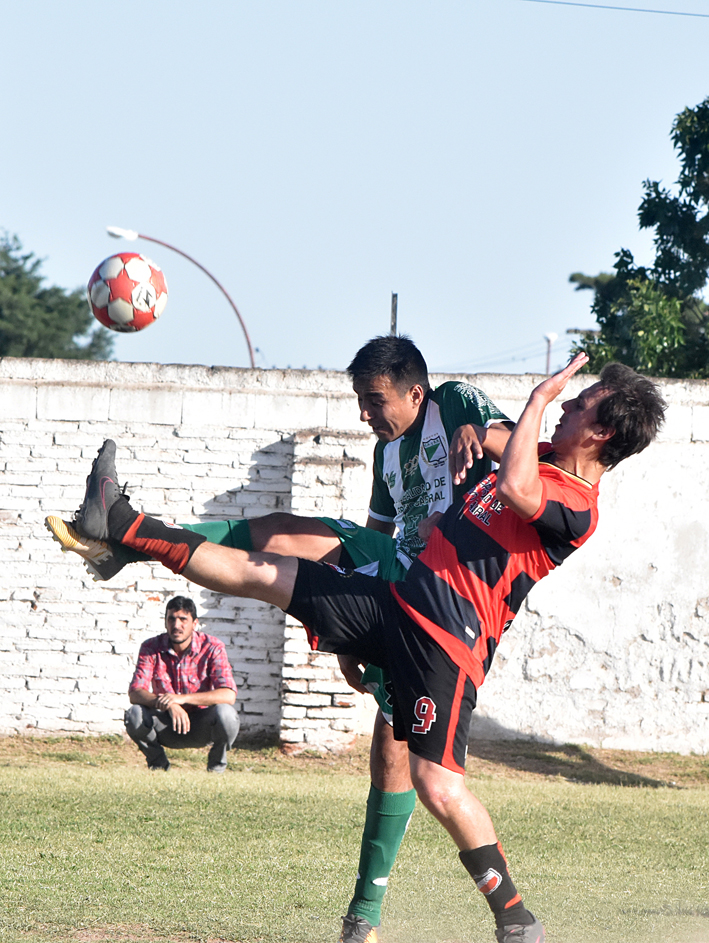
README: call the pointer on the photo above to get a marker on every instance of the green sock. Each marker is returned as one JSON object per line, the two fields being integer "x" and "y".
{"x": 234, "y": 534}
{"x": 388, "y": 814}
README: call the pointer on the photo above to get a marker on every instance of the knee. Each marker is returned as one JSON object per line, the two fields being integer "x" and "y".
{"x": 134, "y": 720}
{"x": 227, "y": 720}
{"x": 437, "y": 794}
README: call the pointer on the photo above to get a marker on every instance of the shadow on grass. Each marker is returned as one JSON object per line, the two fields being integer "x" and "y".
{"x": 497, "y": 753}
{"x": 569, "y": 761}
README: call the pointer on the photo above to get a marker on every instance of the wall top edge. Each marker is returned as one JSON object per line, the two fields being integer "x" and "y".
{"x": 117, "y": 374}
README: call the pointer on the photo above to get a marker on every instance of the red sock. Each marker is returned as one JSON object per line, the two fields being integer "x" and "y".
{"x": 170, "y": 544}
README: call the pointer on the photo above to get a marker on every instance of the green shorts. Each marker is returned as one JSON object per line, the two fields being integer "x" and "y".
{"x": 371, "y": 552}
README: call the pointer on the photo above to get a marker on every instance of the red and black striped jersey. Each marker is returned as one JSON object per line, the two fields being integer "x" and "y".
{"x": 482, "y": 560}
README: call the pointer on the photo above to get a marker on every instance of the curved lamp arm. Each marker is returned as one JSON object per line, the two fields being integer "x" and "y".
{"x": 132, "y": 235}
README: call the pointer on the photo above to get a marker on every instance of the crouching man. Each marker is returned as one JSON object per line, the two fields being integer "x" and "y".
{"x": 182, "y": 693}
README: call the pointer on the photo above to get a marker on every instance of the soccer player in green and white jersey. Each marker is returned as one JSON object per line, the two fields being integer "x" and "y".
{"x": 415, "y": 427}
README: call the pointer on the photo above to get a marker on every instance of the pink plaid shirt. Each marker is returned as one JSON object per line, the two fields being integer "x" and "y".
{"x": 203, "y": 667}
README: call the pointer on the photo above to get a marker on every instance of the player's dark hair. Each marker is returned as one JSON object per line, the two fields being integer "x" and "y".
{"x": 181, "y": 602}
{"x": 390, "y": 356}
{"x": 634, "y": 408}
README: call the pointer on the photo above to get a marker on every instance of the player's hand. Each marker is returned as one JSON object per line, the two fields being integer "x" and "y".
{"x": 550, "y": 388}
{"x": 351, "y": 669}
{"x": 466, "y": 447}
{"x": 180, "y": 718}
{"x": 427, "y": 525}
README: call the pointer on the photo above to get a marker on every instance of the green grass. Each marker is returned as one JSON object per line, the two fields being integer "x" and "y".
{"x": 94, "y": 848}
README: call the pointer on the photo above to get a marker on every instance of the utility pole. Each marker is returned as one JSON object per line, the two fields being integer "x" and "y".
{"x": 550, "y": 338}
{"x": 394, "y": 306}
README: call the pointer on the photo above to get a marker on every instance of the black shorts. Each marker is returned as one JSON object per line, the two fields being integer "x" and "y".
{"x": 351, "y": 614}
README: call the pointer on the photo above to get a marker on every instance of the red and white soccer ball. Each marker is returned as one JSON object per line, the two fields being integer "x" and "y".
{"x": 127, "y": 292}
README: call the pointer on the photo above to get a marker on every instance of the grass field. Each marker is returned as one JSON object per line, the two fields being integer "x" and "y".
{"x": 605, "y": 846}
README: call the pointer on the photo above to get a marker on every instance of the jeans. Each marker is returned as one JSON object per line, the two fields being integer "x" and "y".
{"x": 152, "y": 731}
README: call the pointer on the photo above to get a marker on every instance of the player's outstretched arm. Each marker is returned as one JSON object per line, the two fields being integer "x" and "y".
{"x": 471, "y": 442}
{"x": 518, "y": 483}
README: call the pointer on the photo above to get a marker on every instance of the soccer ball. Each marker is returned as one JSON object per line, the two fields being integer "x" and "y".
{"x": 127, "y": 292}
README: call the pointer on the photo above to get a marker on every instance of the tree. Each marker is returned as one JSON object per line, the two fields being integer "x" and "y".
{"x": 654, "y": 319}
{"x": 44, "y": 322}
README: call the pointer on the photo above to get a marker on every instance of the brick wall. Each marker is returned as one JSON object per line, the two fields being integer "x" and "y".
{"x": 193, "y": 444}
{"x": 611, "y": 649}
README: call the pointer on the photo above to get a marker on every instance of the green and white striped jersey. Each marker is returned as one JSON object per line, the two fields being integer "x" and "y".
{"x": 411, "y": 476}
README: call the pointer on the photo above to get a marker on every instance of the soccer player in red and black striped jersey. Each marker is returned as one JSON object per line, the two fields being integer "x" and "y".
{"x": 436, "y": 632}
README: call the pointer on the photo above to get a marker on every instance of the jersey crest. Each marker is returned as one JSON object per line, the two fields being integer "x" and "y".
{"x": 433, "y": 451}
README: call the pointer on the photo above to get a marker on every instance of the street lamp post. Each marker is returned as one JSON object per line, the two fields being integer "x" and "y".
{"x": 131, "y": 235}
{"x": 550, "y": 338}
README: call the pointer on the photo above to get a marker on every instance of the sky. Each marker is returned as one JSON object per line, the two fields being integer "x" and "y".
{"x": 318, "y": 155}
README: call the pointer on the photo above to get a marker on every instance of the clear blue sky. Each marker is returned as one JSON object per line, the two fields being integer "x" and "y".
{"x": 318, "y": 155}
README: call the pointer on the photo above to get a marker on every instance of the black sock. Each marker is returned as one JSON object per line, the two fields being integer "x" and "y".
{"x": 487, "y": 866}
{"x": 170, "y": 544}
{"x": 120, "y": 516}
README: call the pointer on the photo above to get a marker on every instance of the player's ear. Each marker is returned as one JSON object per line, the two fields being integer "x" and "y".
{"x": 604, "y": 433}
{"x": 417, "y": 394}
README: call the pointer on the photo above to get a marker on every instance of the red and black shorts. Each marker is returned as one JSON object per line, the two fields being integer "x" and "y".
{"x": 351, "y": 614}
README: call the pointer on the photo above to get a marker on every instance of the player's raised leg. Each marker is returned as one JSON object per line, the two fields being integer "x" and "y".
{"x": 279, "y": 532}
{"x": 106, "y": 513}
{"x": 285, "y": 534}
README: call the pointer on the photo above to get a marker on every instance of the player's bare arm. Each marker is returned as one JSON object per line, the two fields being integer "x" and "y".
{"x": 352, "y": 670}
{"x": 471, "y": 442}
{"x": 382, "y": 527}
{"x": 518, "y": 483}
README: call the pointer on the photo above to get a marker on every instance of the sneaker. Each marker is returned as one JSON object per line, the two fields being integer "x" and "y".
{"x": 217, "y": 768}
{"x": 103, "y": 560}
{"x": 357, "y": 930}
{"x": 102, "y": 491}
{"x": 160, "y": 766}
{"x": 519, "y": 933}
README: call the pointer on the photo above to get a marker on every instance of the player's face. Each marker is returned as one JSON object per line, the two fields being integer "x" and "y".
{"x": 180, "y": 627}
{"x": 388, "y": 413}
{"x": 579, "y": 421}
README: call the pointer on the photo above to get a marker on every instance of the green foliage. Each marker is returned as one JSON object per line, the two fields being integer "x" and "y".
{"x": 44, "y": 322}
{"x": 654, "y": 318}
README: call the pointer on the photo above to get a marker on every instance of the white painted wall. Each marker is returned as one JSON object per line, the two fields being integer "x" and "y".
{"x": 611, "y": 649}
